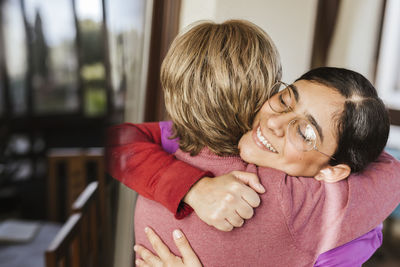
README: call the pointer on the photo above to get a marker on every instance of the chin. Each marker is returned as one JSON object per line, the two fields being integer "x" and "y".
{"x": 248, "y": 154}
{"x": 243, "y": 153}
{"x": 244, "y": 148}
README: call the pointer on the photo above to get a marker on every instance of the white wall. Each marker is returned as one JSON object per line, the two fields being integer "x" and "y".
{"x": 355, "y": 38}
{"x": 289, "y": 23}
{"x": 387, "y": 76}
{"x": 387, "y": 80}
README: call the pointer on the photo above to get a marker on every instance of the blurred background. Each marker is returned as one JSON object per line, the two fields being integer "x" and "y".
{"x": 71, "y": 68}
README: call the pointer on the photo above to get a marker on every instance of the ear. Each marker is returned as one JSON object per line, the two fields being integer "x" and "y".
{"x": 333, "y": 174}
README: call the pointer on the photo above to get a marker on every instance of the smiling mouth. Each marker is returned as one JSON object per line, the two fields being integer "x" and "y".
{"x": 262, "y": 140}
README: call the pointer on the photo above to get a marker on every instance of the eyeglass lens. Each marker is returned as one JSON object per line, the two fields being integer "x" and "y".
{"x": 281, "y": 98}
{"x": 300, "y": 131}
{"x": 302, "y": 135}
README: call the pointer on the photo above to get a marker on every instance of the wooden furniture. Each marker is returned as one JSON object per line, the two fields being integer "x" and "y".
{"x": 65, "y": 249}
{"x": 68, "y": 172}
{"x": 87, "y": 205}
{"x": 77, "y": 243}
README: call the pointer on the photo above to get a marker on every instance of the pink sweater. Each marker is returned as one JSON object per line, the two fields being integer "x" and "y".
{"x": 298, "y": 218}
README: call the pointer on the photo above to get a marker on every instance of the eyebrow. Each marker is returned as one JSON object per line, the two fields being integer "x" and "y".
{"x": 308, "y": 116}
{"x": 295, "y": 91}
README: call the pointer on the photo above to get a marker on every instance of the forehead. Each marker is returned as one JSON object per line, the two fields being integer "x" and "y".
{"x": 321, "y": 102}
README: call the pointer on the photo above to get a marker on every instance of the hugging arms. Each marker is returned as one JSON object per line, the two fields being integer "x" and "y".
{"x": 385, "y": 168}
{"x": 355, "y": 185}
{"x": 276, "y": 132}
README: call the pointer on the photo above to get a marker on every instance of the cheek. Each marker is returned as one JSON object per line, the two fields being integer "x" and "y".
{"x": 299, "y": 163}
{"x": 263, "y": 112}
{"x": 250, "y": 152}
{"x": 301, "y": 158}
{"x": 292, "y": 154}
{"x": 309, "y": 164}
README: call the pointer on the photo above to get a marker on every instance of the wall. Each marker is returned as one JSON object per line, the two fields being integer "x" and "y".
{"x": 289, "y": 23}
{"x": 354, "y": 42}
{"x": 291, "y": 26}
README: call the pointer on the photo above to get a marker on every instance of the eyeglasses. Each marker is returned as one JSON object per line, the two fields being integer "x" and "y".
{"x": 301, "y": 132}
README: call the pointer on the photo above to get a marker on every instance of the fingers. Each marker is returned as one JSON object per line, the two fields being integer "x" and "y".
{"x": 141, "y": 263}
{"x": 149, "y": 259}
{"x": 248, "y": 193}
{"x": 251, "y": 197}
{"x": 223, "y": 225}
{"x": 235, "y": 217}
{"x": 158, "y": 245}
{"x": 250, "y": 179}
{"x": 225, "y": 201}
{"x": 235, "y": 220}
{"x": 252, "y": 200}
{"x": 244, "y": 210}
{"x": 225, "y": 217}
{"x": 189, "y": 257}
{"x": 236, "y": 206}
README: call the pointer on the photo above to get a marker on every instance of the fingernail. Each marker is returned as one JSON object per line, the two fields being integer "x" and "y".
{"x": 146, "y": 229}
{"x": 137, "y": 262}
{"x": 177, "y": 234}
{"x": 135, "y": 248}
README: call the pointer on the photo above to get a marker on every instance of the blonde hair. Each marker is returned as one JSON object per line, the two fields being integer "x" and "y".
{"x": 215, "y": 78}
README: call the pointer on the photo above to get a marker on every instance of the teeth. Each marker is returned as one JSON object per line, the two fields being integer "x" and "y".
{"x": 264, "y": 141}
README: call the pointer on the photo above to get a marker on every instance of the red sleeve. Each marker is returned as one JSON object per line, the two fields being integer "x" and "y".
{"x": 135, "y": 157}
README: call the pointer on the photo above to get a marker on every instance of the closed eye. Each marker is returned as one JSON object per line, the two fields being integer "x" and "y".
{"x": 301, "y": 133}
{"x": 285, "y": 106}
{"x": 307, "y": 134}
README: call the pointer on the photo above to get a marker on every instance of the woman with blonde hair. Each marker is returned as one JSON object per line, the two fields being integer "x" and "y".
{"x": 191, "y": 124}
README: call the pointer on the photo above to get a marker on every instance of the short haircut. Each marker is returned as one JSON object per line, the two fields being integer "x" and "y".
{"x": 215, "y": 78}
{"x": 363, "y": 126}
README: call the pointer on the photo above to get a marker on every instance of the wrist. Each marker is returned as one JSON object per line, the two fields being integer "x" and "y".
{"x": 190, "y": 197}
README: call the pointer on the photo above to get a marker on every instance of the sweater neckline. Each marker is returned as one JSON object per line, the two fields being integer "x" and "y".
{"x": 207, "y": 154}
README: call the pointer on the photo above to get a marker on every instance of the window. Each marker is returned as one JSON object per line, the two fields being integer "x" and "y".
{"x": 52, "y": 56}
{"x": 15, "y": 57}
{"x": 388, "y": 69}
{"x": 388, "y": 72}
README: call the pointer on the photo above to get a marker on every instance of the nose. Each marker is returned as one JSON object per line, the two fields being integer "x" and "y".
{"x": 277, "y": 123}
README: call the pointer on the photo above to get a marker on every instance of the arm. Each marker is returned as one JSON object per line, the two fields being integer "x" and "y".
{"x": 340, "y": 212}
{"x": 134, "y": 157}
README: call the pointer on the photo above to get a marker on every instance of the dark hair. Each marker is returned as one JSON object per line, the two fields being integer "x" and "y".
{"x": 363, "y": 127}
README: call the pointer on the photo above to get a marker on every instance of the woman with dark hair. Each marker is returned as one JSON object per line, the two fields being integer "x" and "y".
{"x": 300, "y": 130}
{"x": 364, "y": 124}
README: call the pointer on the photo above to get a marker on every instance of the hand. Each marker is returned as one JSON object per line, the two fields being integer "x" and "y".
{"x": 165, "y": 258}
{"x": 227, "y": 200}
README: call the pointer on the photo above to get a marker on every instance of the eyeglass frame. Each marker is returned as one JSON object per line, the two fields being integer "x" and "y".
{"x": 290, "y": 109}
